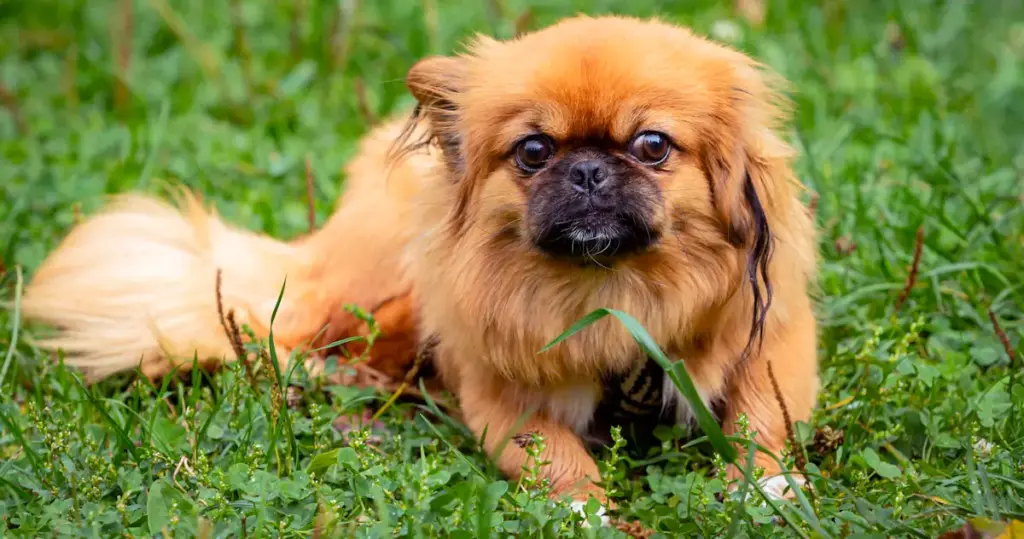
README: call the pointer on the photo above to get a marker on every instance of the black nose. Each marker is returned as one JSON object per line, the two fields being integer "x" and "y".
{"x": 588, "y": 176}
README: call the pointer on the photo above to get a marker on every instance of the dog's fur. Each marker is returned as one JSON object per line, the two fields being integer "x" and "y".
{"x": 451, "y": 227}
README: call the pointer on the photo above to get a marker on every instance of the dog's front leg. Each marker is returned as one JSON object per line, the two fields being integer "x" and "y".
{"x": 495, "y": 409}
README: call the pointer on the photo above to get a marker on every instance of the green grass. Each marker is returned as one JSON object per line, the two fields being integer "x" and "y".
{"x": 908, "y": 116}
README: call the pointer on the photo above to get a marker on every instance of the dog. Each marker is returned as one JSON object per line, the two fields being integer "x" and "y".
{"x": 601, "y": 162}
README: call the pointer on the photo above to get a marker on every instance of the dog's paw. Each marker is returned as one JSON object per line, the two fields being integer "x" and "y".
{"x": 578, "y": 507}
{"x": 778, "y": 487}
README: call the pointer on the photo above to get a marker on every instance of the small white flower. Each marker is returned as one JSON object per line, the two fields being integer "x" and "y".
{"x": 578, "y": 506}
{"x": 775, "y": 487}
{"x": 983, "y": 447}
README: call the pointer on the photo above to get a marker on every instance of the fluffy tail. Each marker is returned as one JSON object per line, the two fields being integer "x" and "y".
{"x": 136, "y": 285}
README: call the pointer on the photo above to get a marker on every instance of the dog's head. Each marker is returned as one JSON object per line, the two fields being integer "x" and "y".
{"x": 603, "y": 140}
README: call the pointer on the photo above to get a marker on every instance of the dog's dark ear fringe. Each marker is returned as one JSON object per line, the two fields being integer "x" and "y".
{"x": 760, "y": 256}
{"x": 403, "y": 145}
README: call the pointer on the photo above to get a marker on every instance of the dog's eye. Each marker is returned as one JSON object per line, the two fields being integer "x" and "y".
{"x": 650, "y": 148}
{"x": 533, "y": 153}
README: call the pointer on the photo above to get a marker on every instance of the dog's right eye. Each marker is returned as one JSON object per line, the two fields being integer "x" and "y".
{"x": 533, "y": 153}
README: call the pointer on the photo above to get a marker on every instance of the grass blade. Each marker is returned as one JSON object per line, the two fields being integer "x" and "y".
{"x": 12, "y": 426}
{"x": 270, "y": 335}
{"x": 433, "y": 408}
{"x": 9, "y": 357}
{"x": 283, "y": 418}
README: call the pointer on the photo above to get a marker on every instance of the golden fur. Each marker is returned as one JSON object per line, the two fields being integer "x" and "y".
{"x": 444, "y": 225}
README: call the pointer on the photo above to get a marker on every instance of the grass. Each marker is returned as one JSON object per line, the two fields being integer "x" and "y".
{"x": 908, "y": 118}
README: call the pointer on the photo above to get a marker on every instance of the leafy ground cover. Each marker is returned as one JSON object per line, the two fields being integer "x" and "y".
{"x": 908, "y": 119}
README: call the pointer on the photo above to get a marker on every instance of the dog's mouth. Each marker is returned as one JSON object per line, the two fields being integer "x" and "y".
{"x": 597, "y": 238}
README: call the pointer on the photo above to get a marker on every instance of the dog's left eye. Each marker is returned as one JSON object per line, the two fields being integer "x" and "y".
{"x": 650, "y": 147}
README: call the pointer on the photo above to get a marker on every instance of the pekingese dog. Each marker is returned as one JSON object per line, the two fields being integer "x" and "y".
{"x": 599, "y": 162}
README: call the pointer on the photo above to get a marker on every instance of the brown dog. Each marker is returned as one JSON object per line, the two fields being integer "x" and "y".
{"x": 601, "y": 162}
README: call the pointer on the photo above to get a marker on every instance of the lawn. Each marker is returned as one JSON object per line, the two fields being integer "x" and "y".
{"x": 909, "y": 125}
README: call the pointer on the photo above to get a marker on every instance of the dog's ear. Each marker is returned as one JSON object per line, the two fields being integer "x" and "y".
{"x": 747, "y": 167}
{"x": 726, "y": 163}
{"x": 744, "y": 157}
{"x": 436, "y": 83}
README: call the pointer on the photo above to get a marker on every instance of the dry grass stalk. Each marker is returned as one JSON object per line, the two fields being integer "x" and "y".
{"x": 524, "y": 22}
{"x": 364, "y": 103}
{"x": 276, "y": 395}
{"x": 11, "y": 104}
{"x": 295, "y": 32}
{"x": 341, "y": 30}
{"x": 914, "y": 267}
{"x": 201, "y": 52}
{"x": 1004, "y": 339}
{"x": 431, "y": 21}
{"x": 33, "y": 39}
{"x": 801, "y": 461}
{"x": 424, "y": 355}
{"x": 845, "y": 245}
{"x": 69, "y": 76}
{"x": 242, "y": 44}
{"x": 1010, "y": 353}
{"x": 498, "y": 8}
{"x": 234, "y": 334}
{"x": 634, "y": 529}
{"x": 122, "y": 37}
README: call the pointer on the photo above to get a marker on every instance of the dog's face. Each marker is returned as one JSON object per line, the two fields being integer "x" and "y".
{"x": 590, "y": 198}
{"x": 600, "y": 139}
